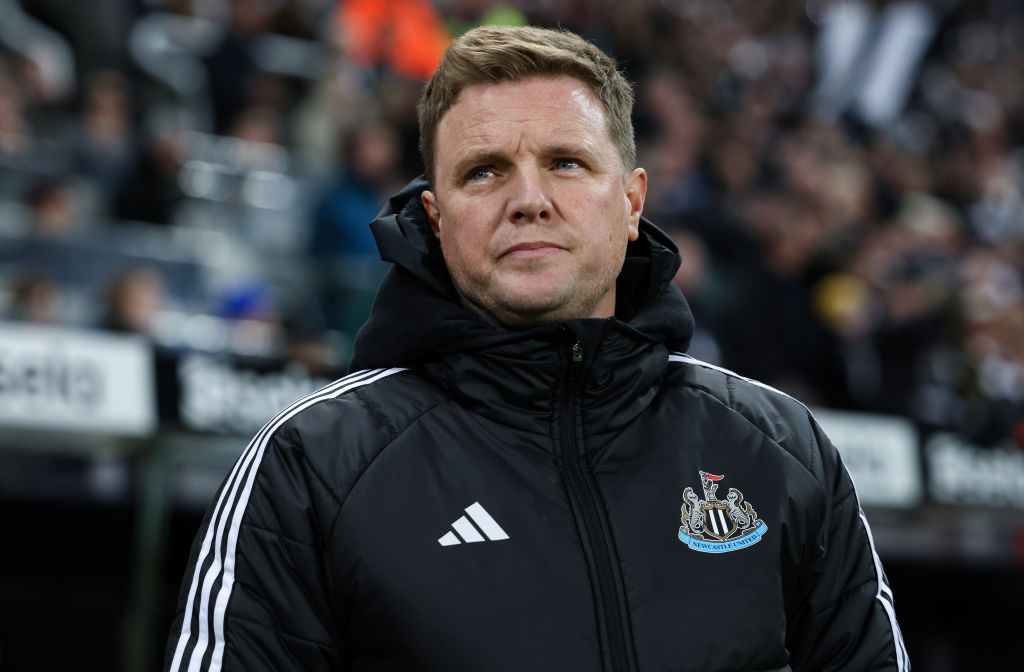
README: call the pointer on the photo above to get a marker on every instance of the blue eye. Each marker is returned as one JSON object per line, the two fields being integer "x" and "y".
{"x": 566, "y": 164}
{"x": 479, "y": 173}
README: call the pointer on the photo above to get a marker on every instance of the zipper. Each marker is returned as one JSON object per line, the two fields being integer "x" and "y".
{"x": 583, "y": 496}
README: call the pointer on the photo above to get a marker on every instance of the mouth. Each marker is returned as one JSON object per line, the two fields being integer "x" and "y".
{"x": 535, "y": 248}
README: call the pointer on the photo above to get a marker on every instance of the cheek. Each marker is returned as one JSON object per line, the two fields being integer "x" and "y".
{"x": 463, "y": 246}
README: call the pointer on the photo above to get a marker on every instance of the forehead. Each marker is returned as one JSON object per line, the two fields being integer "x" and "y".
{"x": 556, "y": 108}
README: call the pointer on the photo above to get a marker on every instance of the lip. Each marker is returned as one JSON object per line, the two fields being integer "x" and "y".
{"x": 533, "y": 248}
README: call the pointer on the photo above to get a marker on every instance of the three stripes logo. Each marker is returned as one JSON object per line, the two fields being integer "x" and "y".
{"x": 470, "y": 533}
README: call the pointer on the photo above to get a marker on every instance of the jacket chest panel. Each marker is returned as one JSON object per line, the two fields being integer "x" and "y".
{"x": 459, "y": 553}
{"x": 703, "y": 513}
{"x": 463, "y": 541}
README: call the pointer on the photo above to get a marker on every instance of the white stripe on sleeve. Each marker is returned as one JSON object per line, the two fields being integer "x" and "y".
{"x": 231, "y": 506}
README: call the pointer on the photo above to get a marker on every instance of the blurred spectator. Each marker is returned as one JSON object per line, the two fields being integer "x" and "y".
{"x": 230, "y": 68}
{"x": 150, "y": 192}
{"x": 256, "y": 123}
{"x": 52, "y": 208}
{"x": 341, "y": 243}
{"x": 15, "y": 131}
{"x": 405, "y": 35}
{"x": 992, "y": 315}
{"x": 253, "y": 314}
{"x": 35, "y": 299}
{"x": 306, "y": 348}
{"x": 774, "y": 335}
{"x": 335, "y": 102}
{"x": 132, "y": 300}
{"x": 672, "y": 145}
{"x": 105, "y": 139}
{"x": 704, "y": 294}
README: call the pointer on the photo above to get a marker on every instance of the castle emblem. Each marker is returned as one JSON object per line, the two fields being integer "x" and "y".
{"x": 714, "y": 525}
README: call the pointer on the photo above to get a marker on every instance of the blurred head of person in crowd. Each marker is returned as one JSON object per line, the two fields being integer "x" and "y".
{"x": 340, "y": 236}
{"x": 15, "y": 132}
{"x": 372, "y": 154}
{"x": 253, "y": 312}
{"x": 132, "y": 300}
{"x": 252, "y": 17}
{"x": 35, "y": 299}
{"x": 150, "y": 191}
{"x": 257, "y": 123}
{"x": 368, "y": 170}
{"x": 52, "y": 208}
{"x": 307, "y": 348}
{"x": 105, "y": 143}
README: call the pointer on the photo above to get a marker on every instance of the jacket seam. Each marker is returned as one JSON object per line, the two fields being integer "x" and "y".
{"x": 283, "y": 633}
{"x": 842, "y": 500}
{"x": 840, "y": 597}
{"x": 261, "y": 528}
{"x": 749, "y": 421}
{"x": 810, "y": 422}
{"x": 355, "y": 483}
{"x": 374, "y": 411}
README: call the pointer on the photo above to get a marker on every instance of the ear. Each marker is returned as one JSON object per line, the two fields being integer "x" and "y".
{"x": 433, "y": 213}
{"x": 636, "y": 192}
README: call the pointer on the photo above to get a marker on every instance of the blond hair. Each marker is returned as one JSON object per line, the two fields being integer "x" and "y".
{"x": 491, "y": 54}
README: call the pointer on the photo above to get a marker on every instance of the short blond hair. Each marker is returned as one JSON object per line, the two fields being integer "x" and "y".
{"x": 492, "y": 54}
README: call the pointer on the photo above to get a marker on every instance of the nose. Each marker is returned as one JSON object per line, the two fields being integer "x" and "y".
{"x": 529, "y": 200}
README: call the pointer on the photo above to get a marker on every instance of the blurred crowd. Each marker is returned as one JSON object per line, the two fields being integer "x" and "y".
{"x": 845, "y": 179}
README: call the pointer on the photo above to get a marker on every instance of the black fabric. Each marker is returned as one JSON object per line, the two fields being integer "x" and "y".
{"x": 343, "y": 539}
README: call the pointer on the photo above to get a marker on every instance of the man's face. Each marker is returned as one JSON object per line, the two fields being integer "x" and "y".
{"x": 530, "y": 204}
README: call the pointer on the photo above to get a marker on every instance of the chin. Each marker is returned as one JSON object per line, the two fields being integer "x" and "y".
{"x": 533, "y": 312}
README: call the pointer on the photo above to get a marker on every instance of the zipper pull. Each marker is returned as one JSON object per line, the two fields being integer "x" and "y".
{"x": 577, "y": 352}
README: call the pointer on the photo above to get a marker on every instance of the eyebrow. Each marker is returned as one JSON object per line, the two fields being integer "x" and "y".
{"x": 497, "y": 158}
{"x": 483, "y": 158}
{"x": 556, "y": 151}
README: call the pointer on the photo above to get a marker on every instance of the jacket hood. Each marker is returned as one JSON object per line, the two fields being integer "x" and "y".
{"x": 418, "y": 316}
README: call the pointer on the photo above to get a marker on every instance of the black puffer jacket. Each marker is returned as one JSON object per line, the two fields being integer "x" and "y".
{"x": 569, "y": 497}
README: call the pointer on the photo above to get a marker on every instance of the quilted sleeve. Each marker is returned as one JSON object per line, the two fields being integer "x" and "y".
{"x": 842, "y": 616}
{"x": 254, "y": 596}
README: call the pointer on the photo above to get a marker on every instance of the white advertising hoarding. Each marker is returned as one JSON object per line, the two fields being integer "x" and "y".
{"x": 881, "y": 453}
{"x": 76, "y": 380}
{"x": 964, "y": 474}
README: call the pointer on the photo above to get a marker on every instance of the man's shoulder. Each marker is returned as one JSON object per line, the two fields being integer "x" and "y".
{"x": 362, "y": 411}
{"x": 779, "y": 416}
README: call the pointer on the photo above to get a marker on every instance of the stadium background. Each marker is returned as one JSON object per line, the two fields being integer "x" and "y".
{"x": 184, "y": 188}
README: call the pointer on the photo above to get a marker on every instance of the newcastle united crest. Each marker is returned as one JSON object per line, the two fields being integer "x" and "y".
{"x": 713, "y": 525}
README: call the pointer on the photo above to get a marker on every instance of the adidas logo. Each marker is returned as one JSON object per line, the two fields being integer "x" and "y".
{"x": 469, "y": 532}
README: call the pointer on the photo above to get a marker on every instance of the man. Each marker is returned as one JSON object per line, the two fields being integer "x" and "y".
{"x": 524, "y": 473}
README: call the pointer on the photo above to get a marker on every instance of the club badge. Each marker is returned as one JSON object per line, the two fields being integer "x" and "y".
{"x": 712, "y": 525}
